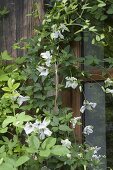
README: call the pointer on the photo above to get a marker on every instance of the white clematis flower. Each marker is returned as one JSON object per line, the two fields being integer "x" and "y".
{"x": 43, "y": 130}
{"x": 68, "y": 155}
{"x": 74, "y": 121}
{"x": 60, "y": 35}
{"x": 96, "y": 149}
{"x": 63, "y": 27}
{"x": 66, "y": 143}
{"x": 43, "y": 71}
{"x": 56, "y": 34}
{"x": 45, "y": 168}
{"x": 97, "y": 157}
{"x": 64, "y": 1}
{"x": 88, "y": 129}
{"x": 22, "y": 99}
{"x": 47, "y": 56}
{"x": 108, "y": 82}
{"x": 39, "y": 127}
{"x": 44, "y": 124}
{"x": 71, "y": 82}
{"x": 109, "y": 91}
{"x": 29, "y": 128}
{"x": 48, "y": 62}
{"x": 87, "y": 105}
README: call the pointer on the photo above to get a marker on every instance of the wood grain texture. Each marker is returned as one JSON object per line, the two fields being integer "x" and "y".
{"x": 17, "y": 24}
{"x": 72, "y": 98}
{"x": 76, "y": 95}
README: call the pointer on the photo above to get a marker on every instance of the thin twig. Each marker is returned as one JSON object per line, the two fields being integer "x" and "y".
{"x": 56, "y": 87}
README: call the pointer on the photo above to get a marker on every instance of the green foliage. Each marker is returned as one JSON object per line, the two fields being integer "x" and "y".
{"x": 4, "y": 12}
{"x": 33, "y": 122}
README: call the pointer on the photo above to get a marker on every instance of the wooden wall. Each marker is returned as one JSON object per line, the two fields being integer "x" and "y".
{"x": 17, "y": 24}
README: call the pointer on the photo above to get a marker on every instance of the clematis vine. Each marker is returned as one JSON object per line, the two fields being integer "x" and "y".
{"x": 47, "y": 56}
{"x": 63, "y": 27}
{"x": 29, "y": 128}
{"x": 88, "y": 129}
{"x": 66, "y": 143}
{"x": 109, "y": 91}
{"x": 87, "y": 105}
{"x": 56, "y": 34}
{"x": 45, "y": 168}
{"x": 43, "y": 130}
{"x": 22, "y": 99}
{"x": 71, "y": 82}
{"x": 96, "y": 149}
{"x": 69, "y": 155}
{"x": 74, "y": 121}
{"x": 95, "y": 154}
{"x": 97, "y": 157}
{"x": 43, "y": 71}
{"x": 108, "y": 82}
{"x": 38, "y": 127}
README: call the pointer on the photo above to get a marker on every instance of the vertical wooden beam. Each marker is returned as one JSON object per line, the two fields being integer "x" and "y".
{"x": 76, "y": 95}
{"x": 66, "y": 98}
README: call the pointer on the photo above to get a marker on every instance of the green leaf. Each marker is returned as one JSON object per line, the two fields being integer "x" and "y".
{"x": 93, "y": 29}
{"x": 98, "y": 38}
{"x": 91, "y": 60}
{"x": 6, "y": 56}
{"x": 93, "y": 41}
{"x": 85, "y": 6}
{"x": 45, "y": 153}
{"x": 37, "y": 110}
{"x": 8, "y": 164}
{"x": 1, "y": 160}
{"x": 3, "y": 130}
{"x": 103, "y": 17}
{"x": 110, "y": 10}
{"x": 60, "y": 150}
{"x": 6, "y": 89}
{"x": 101, "y": 3}
{"x": 79, "y": 38}
{"x": 102, "y": 36}
{"x": 10, "y": 83}
{"x": 23, "y": 117}
{"x": 20, "y": 60}
{"x": 4, "y": 77}
{"x": 22, "y": 160}
{"x": 2, "y": 149}
{"x": 48, "y": 143}
{"x": 4, "y": 12}
{"x": 64, "y": 128}
{"x": 34, "y": 143}
{"x": 8, "y": 120}
{"x": 15, "y": 86}
{"x": 55, "y": 129}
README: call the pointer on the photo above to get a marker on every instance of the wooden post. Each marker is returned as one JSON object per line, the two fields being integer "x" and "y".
{"x": 76, "y": 95}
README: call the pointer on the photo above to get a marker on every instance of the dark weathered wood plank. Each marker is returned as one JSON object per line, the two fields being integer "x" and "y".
{"x": 17, "y": 24}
